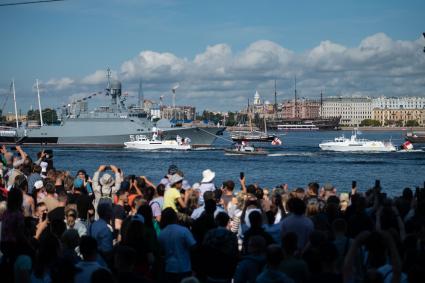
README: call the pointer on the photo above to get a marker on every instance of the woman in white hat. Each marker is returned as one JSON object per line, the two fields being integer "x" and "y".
{"x": 207, "y": 184}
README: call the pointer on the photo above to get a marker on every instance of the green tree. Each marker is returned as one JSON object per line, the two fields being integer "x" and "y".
{"x": 370, "y": 123}
{"x": 399, "y": 123}
{"x": 49, "y": 116}
{"x": 412, "y": 123}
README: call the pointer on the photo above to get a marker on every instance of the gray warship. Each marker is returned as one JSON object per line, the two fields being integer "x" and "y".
{"x": 109, "y": 126}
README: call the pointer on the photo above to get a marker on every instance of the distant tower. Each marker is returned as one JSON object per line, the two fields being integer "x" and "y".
{"x": 141, "y": 96}
{"x": 275, "y": 97}
{"x": 257, "y": 100}
{"x": 295, "y": 100}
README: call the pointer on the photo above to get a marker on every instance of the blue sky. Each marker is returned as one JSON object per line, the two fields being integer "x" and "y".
{"x": 73, "y": 39}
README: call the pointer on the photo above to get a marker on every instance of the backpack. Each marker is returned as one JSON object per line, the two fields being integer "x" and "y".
{"x": 105, "y": 198}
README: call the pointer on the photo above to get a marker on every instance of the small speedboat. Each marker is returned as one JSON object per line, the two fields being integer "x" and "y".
{"x": 355, "y": 144}
{"x": 242, "y": 149}
{"x": 144, "y": 143}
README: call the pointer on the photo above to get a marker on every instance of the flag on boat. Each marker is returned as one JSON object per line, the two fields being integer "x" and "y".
{"x": 276, "y": 141}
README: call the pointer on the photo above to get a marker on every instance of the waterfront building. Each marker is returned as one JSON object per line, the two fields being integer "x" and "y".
{"x": 264, "y": 109}
{"x": 398, "y": 117}
{"x": 9, "y": 117}
{"x": 353, "y": 110}
{"x": 302, "y": 109}
{"x": 178, "y": 112}
{"x": 398, "y": 102}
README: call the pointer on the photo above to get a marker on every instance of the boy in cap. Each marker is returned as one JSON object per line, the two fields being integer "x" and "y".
{"x": 172, "y": 169}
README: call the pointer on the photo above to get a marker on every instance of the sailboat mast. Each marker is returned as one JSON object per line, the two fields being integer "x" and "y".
{"x": 141, "y": 96}
{"x": 321, "y": 104}
{"x": 275, "y": 98}
{"x": 39, "y": 103}
{"x": 295, "y": 99}
{"x": 249, "y": 116}
{"x": 14, "y": 101}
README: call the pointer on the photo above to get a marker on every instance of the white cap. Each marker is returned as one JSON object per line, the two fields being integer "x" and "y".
{"x": 38, "y": 184}
{"x": 196, "y": 186}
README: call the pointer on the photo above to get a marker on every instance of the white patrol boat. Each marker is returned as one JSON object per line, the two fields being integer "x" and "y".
{"x": 354, "y": 144}
{"x": 144, "y": 143}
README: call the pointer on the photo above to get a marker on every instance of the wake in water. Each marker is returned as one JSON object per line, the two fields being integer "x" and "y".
{"x": 293, "y": 154}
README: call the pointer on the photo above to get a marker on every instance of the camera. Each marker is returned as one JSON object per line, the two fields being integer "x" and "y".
{"x": 241, "y": 175}
{"x": 108, "y": 167}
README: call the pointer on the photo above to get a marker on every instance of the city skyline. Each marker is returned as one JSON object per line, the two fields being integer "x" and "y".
{"x": 219, "y": 58}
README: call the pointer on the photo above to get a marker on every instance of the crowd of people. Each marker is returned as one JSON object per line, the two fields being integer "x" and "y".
{"x": 117, "y": 227}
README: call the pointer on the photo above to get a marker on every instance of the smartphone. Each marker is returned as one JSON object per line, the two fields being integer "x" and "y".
{"x": 44, "y": 216}
{"x": 377, "y": 183}
{"x": 354, "y": 184}
{"x": 241, "y": 175}
{"x": 108, "y": 167}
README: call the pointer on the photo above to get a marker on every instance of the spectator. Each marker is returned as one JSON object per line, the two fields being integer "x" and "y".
{"x": 88, "y": 249}
{"x": 101, "y": 230}
{"x": 297, "y": 222}
{"x": 271, "y": 272}
{"x": 251, "y": 265}
{"x": 176, "y": 243}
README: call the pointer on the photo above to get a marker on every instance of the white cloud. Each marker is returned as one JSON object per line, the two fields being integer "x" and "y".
{"x": 98, "y": 77}
{"x": 151, "y": 65}
{"x": 219, "y": 77}
{"x": 58, "y": 84}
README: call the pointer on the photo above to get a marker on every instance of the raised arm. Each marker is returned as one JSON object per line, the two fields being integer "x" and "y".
{"x": 96, "y": 186}
{"x": 347, "y": 269}
{"x": 149, "y": 183}
{"x": 21, "y": 152}
{"x": 118, "y": 178}
{"x": 243, "y": 184}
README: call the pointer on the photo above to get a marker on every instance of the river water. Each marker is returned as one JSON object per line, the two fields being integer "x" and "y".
{"x": 297, "y": 162}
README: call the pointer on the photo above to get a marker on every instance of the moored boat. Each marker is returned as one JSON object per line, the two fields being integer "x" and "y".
{"x": 252, "y": 136}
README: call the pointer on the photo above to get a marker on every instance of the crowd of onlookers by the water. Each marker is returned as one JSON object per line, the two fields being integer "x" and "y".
{"x": 58, "y": 226}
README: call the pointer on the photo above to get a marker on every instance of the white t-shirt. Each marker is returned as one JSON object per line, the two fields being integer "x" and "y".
{"x": 176, "y": 241}
{"x": 205, "y": 187}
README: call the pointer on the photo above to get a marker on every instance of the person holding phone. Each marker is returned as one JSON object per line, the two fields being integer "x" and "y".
{"x": 106, "y": 186}
{"x": 87, "y": 182}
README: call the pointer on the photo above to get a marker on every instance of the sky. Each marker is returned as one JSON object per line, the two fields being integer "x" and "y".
{"x": 219, "y": 52}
